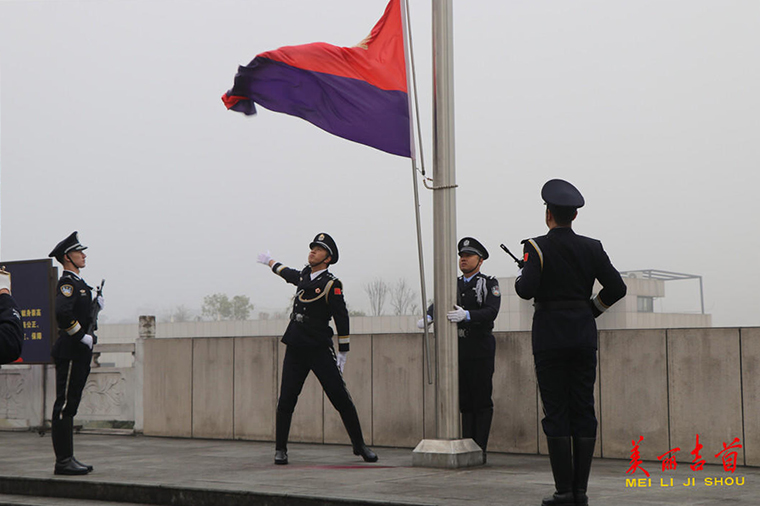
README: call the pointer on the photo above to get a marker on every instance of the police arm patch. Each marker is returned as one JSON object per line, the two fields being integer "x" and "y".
{"x": 495, "y": 291}
{"x": 338, "y": 291}
{"x": 67, "y": 290}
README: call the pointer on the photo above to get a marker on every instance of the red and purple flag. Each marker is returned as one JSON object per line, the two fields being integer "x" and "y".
{"x": 358, "y": 93}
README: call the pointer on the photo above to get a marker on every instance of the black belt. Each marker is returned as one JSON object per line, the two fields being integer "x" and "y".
{"x": 563, "y": 304}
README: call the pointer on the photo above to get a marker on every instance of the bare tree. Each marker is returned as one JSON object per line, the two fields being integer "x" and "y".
{"x": 377, "y": 291}
{"x": 402, "y": 297}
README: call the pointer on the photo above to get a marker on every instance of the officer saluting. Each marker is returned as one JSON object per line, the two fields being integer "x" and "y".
{"x": 559, "y": 273}
{"x": 478, "y": 301}
{"x": 319, "y": 297}
{"x": 72, "y": 350}
{"x": 11, "y": 329}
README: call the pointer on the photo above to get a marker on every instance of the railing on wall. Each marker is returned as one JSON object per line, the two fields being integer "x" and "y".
{"x": 666, "y": 385}
{"x": 111, "y": 400}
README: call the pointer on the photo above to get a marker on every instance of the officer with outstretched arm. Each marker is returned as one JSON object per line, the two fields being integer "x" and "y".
{"x": 309, "y": 343}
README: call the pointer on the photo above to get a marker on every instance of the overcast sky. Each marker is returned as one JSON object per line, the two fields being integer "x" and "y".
{"x": 111, "y": 123}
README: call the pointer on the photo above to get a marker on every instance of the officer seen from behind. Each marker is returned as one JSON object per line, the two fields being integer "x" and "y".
{"x": 478, "y": 301}
{"x": 559, "y": 274}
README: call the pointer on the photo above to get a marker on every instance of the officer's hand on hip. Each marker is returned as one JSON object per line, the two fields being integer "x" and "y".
{"x": 264, "y": 258}
{"x": 457, "y": 315}
{"x": 421, "y": 321}
{"x": 340, "y": 359}
{"x": 87, "y": 340}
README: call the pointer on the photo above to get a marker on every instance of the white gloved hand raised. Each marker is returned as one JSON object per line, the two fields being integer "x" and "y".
{"x": 87, "y": 340}
{"x": 457, "y": 315}
{"x": 5, "y": 281}
{"x": 340, "y": 359}
{"x": 421, "y": 321}
{"x": 264, "y": 258}
{"x": 101, "y": 302}
{"x": 519, "y": 272}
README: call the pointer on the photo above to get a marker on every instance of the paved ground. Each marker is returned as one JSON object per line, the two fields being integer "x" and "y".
{"x": 191, "y": 471}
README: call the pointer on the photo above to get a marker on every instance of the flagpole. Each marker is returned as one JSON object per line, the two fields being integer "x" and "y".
{"x": 411, "y": 87}
{"x": 444, "y": 220}
{"x": 448, "y": 450}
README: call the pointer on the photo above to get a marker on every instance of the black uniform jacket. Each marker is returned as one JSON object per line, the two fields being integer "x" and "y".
{"x": 482, "y": 298}
{"x": 559, "y": 274}
{"x": 316, "y": 301}
{"x": 73, "y": 306}
{"x": 11, "y": 330}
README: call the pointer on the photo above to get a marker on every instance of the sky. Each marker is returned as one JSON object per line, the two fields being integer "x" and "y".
{"x": 111, "y": 124}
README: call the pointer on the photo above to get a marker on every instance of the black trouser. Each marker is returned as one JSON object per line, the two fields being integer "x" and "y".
{"x": 70, "y": 379}
{"x": 566, "y": 381}
{"x": 295, "y": 368}
{"x": 476, "y": 384}
{"x": 475, "y": 398}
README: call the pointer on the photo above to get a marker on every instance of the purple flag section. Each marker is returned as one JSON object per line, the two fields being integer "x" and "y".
{"x": 350, "y": 108}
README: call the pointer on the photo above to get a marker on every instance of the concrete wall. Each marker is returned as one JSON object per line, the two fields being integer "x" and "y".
{"x": 665, "y": 385}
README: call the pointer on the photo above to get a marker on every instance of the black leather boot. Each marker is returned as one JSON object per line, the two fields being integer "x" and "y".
{"x": 351, "y": 422}
{"x": 483, "y": 420}
{"x": 62, "y": 434}
{"x": 583, "y": 454}
{"x": 282, "y": 430}
{"x": 88, "y": 466}
{"x": 71, "y": 435}
{"x": 280, "y": 457}
{"x": 367, "y": 454}
{"x": 561, "y": 459}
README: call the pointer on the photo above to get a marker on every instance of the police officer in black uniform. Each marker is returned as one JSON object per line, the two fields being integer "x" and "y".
{"x": 478, "y": 301}
{"x": 72, "y": 351}
{"x": 309, "y": 340}
{"x": 11, "y": 329}
{"x": 559, "y": 273}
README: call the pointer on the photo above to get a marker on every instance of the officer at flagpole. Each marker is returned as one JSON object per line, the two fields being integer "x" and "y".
{"x": 478, "y": 302}
{"x": 559, "y": 274}
{"x": 72, "y": 351}
{"x": 309, "y": 343}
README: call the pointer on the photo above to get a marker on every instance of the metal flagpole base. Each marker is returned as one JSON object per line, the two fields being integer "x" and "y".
{"x": 448, "y": 454}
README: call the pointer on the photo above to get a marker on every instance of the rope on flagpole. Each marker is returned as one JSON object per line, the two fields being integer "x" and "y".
{"x": 407, "y": 29}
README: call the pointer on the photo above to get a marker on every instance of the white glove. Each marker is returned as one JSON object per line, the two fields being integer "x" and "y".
{"x": 340, "y": 359}
{"x": 519, "y": 273}
{"x": 101, "y": 302}
{"x": 457, "y": 315}
{"x": 264, "y": 258}
{"x": 87, "y": 340}
{"x": 5, "y": 280}
{"x": 421, "y": 321}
